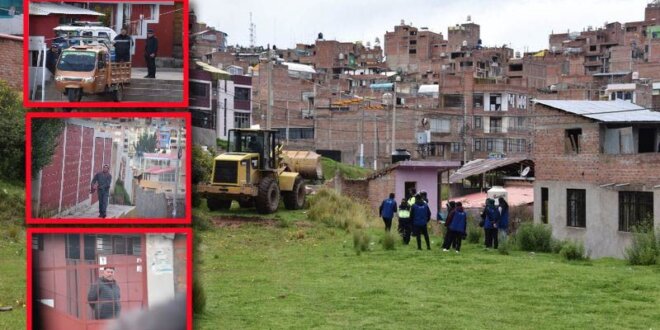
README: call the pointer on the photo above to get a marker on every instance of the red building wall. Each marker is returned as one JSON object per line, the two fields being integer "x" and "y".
{"x": 11, "y": 69}
{"x": 51, "y": 181}
{"x": 86, "y": 164}
{"x": 163, "y": 30}
{"x": 71, "y": 166}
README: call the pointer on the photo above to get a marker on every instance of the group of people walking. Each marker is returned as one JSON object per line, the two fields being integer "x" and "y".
{"x": 414, "y": 215}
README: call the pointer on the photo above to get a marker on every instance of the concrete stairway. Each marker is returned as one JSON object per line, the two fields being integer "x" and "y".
{"x": 154, "y": 90}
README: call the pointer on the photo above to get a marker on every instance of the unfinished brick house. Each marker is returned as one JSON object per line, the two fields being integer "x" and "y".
{"x": 597, "y": 171}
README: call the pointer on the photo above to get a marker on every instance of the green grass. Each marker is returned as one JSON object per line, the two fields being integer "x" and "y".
{"x": 12, "y": 255}
{"x": 330, "y": 167}
{"x": 265, "y": 277}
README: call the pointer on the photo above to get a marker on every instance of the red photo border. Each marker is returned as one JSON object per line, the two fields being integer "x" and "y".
{"x": 26, "y": 68}
{"x": 59, "y": 221}
{"x": 102, "y": 230}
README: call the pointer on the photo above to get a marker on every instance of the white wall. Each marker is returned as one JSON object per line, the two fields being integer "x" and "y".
{"x": 160, "y": 268}
{"x": 601, "y": 237}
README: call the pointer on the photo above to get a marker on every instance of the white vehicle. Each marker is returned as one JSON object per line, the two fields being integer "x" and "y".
{"x": 86, "y": 30}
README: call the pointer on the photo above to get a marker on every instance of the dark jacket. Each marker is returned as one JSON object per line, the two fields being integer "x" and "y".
{"x": 492, "y": 217}
{"x": 420, "y": 213}
{"x": 103, "y": 298}
{"x": 459, "y": 221}
{"x": 387, "y": 208}
{"x": 450, "y": 217}
{"x": 51, "y": 60}
{"x": 151, "y": 47}
{"x": 123, "y": 44}
{"x": 104, "y": 181}
{"x": 404, "y": 207}
{"x": 504, "y": 218}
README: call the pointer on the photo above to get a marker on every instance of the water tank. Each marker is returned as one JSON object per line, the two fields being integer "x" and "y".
{"x": 400, "y": 155}
{"x": 496, "y": 192}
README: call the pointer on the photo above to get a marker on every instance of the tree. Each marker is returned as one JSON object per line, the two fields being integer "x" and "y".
{"x": 12, "y": 134}
{"x": 46, "y": 134}
{"x": 146, "y": 143}
{"x": 202, "y": 165}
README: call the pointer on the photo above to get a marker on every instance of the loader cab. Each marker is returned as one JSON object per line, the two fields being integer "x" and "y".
{"x": 254, "y": 141}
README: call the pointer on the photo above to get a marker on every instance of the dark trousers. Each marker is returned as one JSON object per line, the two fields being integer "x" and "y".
{"x": 103, "y": 202}
{"x": 491, "y": 237}
{"x": 421, "y": 230}
{"x": 122, "y": 57}
{"x": 151, "y": 66}
{"x": 405, "y": 229}
{"x": 453, "y": 238}
{"x": 388, "y": 223}
{"x": 447, "y": 242}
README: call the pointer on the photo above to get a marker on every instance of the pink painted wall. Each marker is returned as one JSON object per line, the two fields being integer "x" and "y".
{"x": 426, "y": 178}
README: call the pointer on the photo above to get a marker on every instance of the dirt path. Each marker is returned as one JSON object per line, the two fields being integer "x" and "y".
{"x": 234, "y": 221}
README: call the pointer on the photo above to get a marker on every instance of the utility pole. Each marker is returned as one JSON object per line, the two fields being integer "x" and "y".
{"x": 361, "y": 137}
{"x": 393, "y": 148}
{"x": 287, "y": 121}
{"x": 464, "y": 128}
{"x": 178, "y": 166}
{"x": 269, "y": 109}
{"x": 375, "y": 144}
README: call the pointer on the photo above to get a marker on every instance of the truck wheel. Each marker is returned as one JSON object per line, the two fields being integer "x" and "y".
{"x": 268, "y": 199}
{"x": 118, "y": 94}
{"x": 74, "y": 94}
{"x": 295, "y": 199}
{"x": 216, "y": 204}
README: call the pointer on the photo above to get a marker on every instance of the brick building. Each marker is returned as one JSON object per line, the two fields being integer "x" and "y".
{"x": 596, "y": 171}
{"x": 204, "y": 39}
{"x": 12, "y": 67}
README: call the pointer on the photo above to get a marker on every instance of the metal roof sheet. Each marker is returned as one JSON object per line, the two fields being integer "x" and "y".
{"x": 47, "y": 8}
{"x": 479, "y": 166}
{"x": 299, "y": 67}
{"x": 618, "y": 111}
{"x": 428, "y": 89}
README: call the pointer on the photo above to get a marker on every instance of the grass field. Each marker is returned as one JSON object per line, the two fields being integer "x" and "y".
{"x": 12, "y": 256}
{"x": 307, "y": 275}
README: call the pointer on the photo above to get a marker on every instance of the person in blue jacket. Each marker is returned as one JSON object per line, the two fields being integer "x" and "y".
{"x": 387, "y": 210}
{"x": 503, "y": 224}
{"x": 457, "y": 229}
{"x": 491, "y": 218}
{"x": 420, "y": 214}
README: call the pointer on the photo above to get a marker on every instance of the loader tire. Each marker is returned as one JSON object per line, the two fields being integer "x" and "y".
{"x": 268, "y": 198}
{"x": 295, "y": 199}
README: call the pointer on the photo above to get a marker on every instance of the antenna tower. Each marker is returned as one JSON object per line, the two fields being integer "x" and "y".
{"x": 253, "y": 33}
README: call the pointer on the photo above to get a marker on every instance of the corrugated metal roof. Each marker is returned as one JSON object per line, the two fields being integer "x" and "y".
{"x": 607, "y": 74}
{"x": 479, "y": 166}
{"x": 428, "y": 89}
{"x": 385, "y": 86}
{"x": 618, "y": 111}
{"x": 47, "y": 8}
{"x": 299, "y": 67}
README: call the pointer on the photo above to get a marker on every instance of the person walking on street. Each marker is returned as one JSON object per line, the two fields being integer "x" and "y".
{"x": 387, "y": 210}
{"x": 101, "y": 183}
{"x": 103, "y": 296}
{"x": 420, "y": 214}
{"x": 457, "y": 229}
{"x": 123, "y": 44}
{"x": 491, "y": 218}
{"x": 150, "y": 53}
{"x": 503, "y": 224}
{"x": 405, "y": 227}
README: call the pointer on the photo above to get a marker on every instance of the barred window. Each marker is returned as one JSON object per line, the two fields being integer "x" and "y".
{"x": 576, "y": 208}
{"x": 635, "y": 210}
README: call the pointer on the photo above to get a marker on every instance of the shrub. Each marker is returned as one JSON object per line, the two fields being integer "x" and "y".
{"x": 534, "y": 237}
{"x": 506, "y": 246}
{"x": 557, "y": 245}
{"x": 645, "y": 247}
{"x": 474, "y": 235}
{"x": 202, "y": 165}
{"x": 201, "y": 221}
{"x": 335, "y": 210}
{"x": 361, "y": 241}
{"x": 573, "y": 250}
{"x": 199, "y": 296}
{"x": 389, "y": 241}
{"x": 12, "y": 134}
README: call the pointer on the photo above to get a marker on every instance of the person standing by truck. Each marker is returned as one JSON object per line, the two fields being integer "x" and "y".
{"x": 52, "y": 56}
{"x": 150, "y": 52}
{"x": 123, "y": 44}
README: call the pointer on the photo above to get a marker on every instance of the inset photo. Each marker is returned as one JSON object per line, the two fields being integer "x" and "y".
{"x": 100, "y": 278}
{"x": 106, "y": 53}
{"x": 95, "y": 168}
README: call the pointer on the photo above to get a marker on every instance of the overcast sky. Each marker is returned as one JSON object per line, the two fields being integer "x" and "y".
{"x": 524, "y": 24}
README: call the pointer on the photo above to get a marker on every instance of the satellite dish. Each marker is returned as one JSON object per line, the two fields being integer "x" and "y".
{"x": 525, "y": 171}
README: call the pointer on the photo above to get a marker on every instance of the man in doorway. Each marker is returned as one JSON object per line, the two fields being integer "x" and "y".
{"x": 103, "y": 296}
{"x": 150, "y": 52}
{"x": 101, "y": 183}
{"x": 123, "y": 43}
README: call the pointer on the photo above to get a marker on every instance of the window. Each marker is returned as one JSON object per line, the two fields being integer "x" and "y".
{"x": 38, "y": 242}
{"x": 495, "y": 125}
{"x": 241, "y": 93}
{"x": 477, "y": 145}
{"x": 576, "y": 208}
{"x": 477, "y": 122}
{"x": 647, "y": 140}
{"x": 241, "y": 120}
{"x": 203, "y": 119}
{"x": 489, "y": 144}
{"x": 635, "y": 210}
{"x": 453, "y": 101}
{"x": 72, "y": 250}
{"x": 477, "y": 100}
{"x": 495, "y": 102}
{"x": 296, "y": 133}
{"x": 572, "y": 141}
{"x": 440, "y": 125}
{"x": 412, "y": 51}
{"x": 456, "y": 147}
{"x": 544, "y": 205}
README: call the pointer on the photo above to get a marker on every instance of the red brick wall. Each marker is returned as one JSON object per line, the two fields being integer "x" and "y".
{"x": 380, "y": 187}
{"x": 163, "y": 30}
{"x": 71, "y": 166}
{"x": 590, "y": 166}
{"x": 86, "y": 164}
{"x": 51, "y": 181}
{"x": 11, "y": 69}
